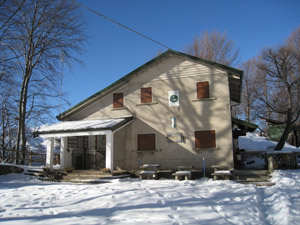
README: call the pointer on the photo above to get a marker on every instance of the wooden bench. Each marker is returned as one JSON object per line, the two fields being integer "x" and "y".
{"x": 149, "y": 171}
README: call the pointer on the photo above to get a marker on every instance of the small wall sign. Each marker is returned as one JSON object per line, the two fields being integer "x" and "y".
{"x": 173, "y": 98}
{"x": 175, "y": 137}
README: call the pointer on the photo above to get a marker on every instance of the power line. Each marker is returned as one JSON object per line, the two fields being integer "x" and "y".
{"x": 119, "y": 24}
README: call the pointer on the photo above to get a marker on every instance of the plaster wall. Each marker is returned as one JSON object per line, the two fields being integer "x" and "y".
{"x": 170, "y": 74}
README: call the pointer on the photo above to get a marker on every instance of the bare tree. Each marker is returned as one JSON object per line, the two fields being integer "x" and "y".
{"x": 42, "y": 30}
{"x": 294, "y": 42}
{"x": 280, "y": 72}
{"x": 248, "y": 91}
{"x": 214, "y": 46}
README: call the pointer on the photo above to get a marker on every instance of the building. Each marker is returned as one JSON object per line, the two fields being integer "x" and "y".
{"x": 173, "y": 111}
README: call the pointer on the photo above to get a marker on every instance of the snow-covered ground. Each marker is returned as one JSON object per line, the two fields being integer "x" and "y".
{"x": 253, "y": 142}
{"x": 26, "y": 200}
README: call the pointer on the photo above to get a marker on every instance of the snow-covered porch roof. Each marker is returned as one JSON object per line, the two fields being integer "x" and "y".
{"x": 63, "y": 130}
{"x": 82, "y": 127}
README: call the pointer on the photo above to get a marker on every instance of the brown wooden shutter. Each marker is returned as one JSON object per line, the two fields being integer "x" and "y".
{"x": 118, "y": 100}
{"x": 205, "y": 139}
{"x": 146, "y": 95}
{"x": 146, "y": 141}
{"x": 202, "y": 90}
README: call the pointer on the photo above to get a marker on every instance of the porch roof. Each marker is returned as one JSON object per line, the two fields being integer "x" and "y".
{"x": 82, "y": 126}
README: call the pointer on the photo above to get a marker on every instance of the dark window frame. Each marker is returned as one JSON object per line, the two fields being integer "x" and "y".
{"x": 117, "y": 104}
{"x": 202, "y": 89}
{"x": 146, "y": 142}
{"x": 146, "y": 95}
{"x": 205, "y": 139}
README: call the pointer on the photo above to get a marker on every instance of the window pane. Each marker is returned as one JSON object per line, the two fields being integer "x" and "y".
{"x": 146, "y": 141}
{"x": 202, "y": 90}
{"x": 118, "y": 100}
{"x": 146, "y": 95}
{"x": 72, "y": 142}
{"x": 205, "y": 139}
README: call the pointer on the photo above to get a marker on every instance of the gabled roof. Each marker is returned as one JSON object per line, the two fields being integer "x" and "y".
{"x": 235, "y": 81}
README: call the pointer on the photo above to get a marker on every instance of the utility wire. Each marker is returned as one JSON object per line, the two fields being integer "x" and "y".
{"x": 119, "y": 24}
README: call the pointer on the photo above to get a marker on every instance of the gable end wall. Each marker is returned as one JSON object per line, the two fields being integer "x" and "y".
{"x": 170, "y": 74}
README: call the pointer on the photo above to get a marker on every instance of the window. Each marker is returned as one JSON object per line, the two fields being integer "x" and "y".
{"x": 146, "y": 142}
{"x": 146, "y": 95}
{"x": 202, "y": 90}
{"x": 100, "y": 142}
{"x": 118, "y": 99}
{"x": 205, "y": 139}
{"x": 72, "y": 142}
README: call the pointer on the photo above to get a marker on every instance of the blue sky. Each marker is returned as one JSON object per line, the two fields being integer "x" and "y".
{"x": 111, "y": 51}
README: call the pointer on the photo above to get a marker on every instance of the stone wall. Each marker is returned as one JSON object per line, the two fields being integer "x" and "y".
{"x": 5, "y": 169}
{"x": 281, "y": 160}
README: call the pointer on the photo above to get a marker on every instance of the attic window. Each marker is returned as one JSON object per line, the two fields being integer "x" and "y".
{"x": 118, "y": 100}
{"x": 202, "y": 89}
{"x": 205, "y": 139}
{"x": 146, "y": 95}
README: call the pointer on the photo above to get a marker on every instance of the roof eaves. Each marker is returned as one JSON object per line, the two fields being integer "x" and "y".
{"x": 251, "y": 126}
{"x": 218, "y": 65}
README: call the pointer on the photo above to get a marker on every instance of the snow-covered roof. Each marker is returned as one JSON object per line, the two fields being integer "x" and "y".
{"x": 83, "y": 125}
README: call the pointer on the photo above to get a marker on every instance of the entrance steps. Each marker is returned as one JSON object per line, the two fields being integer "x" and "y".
{"x": 92, "y": 176}
{"x": 256, "y": 177}
{"x": 78, "y": 176}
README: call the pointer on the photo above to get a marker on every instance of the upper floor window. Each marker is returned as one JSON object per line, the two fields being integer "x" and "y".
{"x": 202, "y": 90}
{"x": 118, "y": 100}
{"x": 205, "y": 139}
{"x": 146, "y": 95}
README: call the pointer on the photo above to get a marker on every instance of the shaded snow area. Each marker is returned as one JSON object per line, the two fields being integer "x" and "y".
{"x": 26, "y": 200}
{"x": 253, "y": 142}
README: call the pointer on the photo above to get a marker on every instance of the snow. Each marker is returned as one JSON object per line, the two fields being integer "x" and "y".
{"x": 183, "y": 172}
{"x": 147, "y": 172}
{"x": 150, "y": 165}
{"x": 255, "y": 145}
{"x": 224, "y": 172}
{"x": 253, "y": 142}
{"x": 26, "y": 200}
{"x": 81, "y": 125}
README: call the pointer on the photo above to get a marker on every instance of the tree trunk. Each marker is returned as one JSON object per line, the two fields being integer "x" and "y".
{"x": 3, "y": 135}
{"x": 21, "y": 136}
{"x": 286, "y": 131}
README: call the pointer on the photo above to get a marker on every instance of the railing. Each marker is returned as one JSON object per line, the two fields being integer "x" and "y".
{"x": 10, "y": 156}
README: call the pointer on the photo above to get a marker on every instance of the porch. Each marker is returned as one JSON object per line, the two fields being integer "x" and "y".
{"x": 87, "y": 144}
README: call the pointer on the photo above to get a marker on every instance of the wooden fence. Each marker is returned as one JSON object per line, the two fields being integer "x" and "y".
{"x": 30, "y": 157}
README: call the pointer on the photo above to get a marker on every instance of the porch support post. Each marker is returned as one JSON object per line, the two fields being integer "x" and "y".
{"x": 109, "y": 151}
{"x": 63, "y": 149}
{"x": 49, "y": 157}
